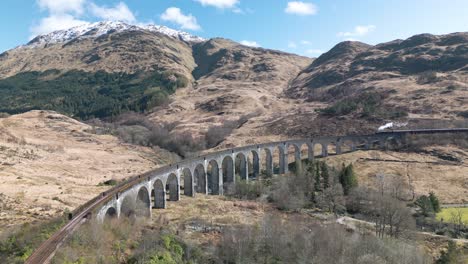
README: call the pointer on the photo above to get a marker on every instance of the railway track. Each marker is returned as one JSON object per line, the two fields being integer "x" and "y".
{"x": 46, "y": 251}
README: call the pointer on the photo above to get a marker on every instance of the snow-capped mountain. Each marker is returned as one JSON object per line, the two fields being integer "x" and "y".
{"x": 93, "y": 30}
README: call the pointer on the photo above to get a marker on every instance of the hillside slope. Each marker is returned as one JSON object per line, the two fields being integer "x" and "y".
{"x": 49, "y": 163}
{"x": 423, "y": 76}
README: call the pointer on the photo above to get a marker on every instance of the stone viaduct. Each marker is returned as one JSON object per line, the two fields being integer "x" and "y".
{"x": 212, "y": 174}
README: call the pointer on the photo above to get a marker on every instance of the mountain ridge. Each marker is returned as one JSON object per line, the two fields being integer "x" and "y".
{"x": 207, "y": 83}
{"x": 97, "y": 29}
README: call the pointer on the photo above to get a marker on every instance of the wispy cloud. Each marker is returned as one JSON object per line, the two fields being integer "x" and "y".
{"x": 62, "y": 14}
{"x": 358, "y": 31}
{"x": 119, "y": 12}
{"x": 301, "y": 8}
{"x": 60, "y": 7}
{"x": 250, "y": 43}
{"x": 55, "y": 22}
{"x": 175, "y": 15}
{"x": 292, "y": 45}
{"x": 221, "y": 4}
{"x": 314, "y": 51}
{"x": 305, "y": 42}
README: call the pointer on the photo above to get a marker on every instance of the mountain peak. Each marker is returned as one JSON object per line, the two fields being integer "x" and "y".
{"x": 343, "y": 50}
{"x": 93, "y": 30}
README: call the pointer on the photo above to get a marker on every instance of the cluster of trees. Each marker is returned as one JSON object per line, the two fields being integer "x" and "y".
{"x": 299, "y": 240}
{"x": 336, "y": 191}
{"x": 313, "y": 185}
{"x": 17, "y": 245}
{"x": 429, "y": 204}
{"x": 274, "y": 239}
{"x": 135, "y": 128}
{"x": 366, "y": 105}
{"x": 88, "y": 94}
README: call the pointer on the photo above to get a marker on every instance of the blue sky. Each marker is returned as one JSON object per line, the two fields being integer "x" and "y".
{"x": 304, "y": 27}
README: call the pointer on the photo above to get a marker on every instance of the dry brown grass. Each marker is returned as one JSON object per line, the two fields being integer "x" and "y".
{"x": 49, "y": 163}
{"x": 424, "y": 172}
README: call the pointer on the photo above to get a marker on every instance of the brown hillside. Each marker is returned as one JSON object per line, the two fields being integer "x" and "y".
{"x": 49, "y": 163}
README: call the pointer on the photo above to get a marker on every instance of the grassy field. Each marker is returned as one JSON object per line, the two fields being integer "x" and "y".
{"x": 446, "y": 214}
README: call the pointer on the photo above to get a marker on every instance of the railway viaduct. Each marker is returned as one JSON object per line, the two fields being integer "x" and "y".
{"x": 212, "y": 174}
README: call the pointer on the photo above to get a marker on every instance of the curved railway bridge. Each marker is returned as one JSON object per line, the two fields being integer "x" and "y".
{"x": 211, "y": 174}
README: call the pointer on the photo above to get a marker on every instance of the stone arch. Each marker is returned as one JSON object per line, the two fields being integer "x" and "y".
{"x": 392, "y": 143}
{"x": 213, "y": 177}
{"x": 374, "y": 143}
{"x": 127, "y": 207}
{"x": 241, "y": 168}
{"x": 332, "y": 148}
{"x": 228, "y": 170}
{"x": 276, "y": 160}
{"x": 361, "y": 144}
{"x": 111, "y": 213}
{"x": 143, "y": 202}
{"x": 187, "y": 182}
{"x": 347, "y": 145}
{"x": 279, "y": 159}
{"x": 306, "y": 152}
{"x": 293, "y": 156}
{"x": 159, "y": 194}
{"x": 254, "y": 164}
{"x": 172, "y": 187}
{"x": 200, "y": 179}
{"x": 319, "y": 149}
{"x": 268, "y": 162}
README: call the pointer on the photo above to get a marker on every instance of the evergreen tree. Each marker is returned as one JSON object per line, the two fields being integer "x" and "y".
{"x": 424, "y": 202}
{"x": 317, "y": 182}
{"x": 435, "y": 202}
{"x": 325, "y": 175}
{"x": 348, "y": 178}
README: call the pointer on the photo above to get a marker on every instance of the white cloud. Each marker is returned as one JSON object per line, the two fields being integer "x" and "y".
{"x": 175, "y": 15}
{"x": 250, "y": 43}
{"x": 292, "y": 45}
{"x": 120, "y": 12}
{"x": 55, "y": 22}
{"x": 359, "y": 31}
{"x": 221, "y": 4}
{"x": 314, "y": 51}
{"x": 62, "y": 6}
{"x": 61, "y": 15}
{"x": 301, "y": 8}
{"x": 305, "y": 42}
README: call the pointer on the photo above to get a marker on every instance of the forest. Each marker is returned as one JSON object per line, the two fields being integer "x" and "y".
{"x": 86, "y": 95}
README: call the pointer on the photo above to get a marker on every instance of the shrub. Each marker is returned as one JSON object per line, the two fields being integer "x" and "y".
{"x": 17, "y": 246}
{"x": 427, "y": 77}
{"x": 246, "y": 190}
{"x": 110, "y": 182}
{"x": 367, "y": 104}
{"x": 217, "y": 134}
{"x": 463, "y": 114}
{"x": 136, "y": 128}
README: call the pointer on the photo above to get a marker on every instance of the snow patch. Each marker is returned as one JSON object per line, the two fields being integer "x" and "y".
{"x": 94, "y": 30}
